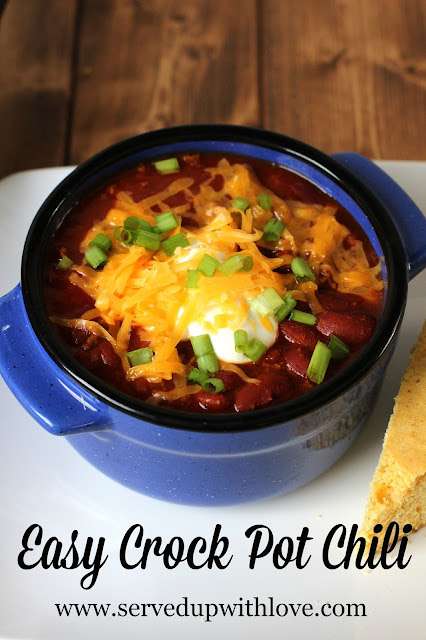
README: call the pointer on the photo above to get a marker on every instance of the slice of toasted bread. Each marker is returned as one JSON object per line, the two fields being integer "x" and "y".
{"x": 398, "y": 489}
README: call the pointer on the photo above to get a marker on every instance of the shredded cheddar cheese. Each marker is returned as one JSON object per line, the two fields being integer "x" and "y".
{"x": 144, "y": 291}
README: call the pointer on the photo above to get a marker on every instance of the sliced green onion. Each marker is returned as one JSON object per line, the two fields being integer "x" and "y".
{"x": 147, "y": 239}
{"x": 303, "y": 317}
{"x": 140, "y": 356}
{"x": 102, "y": 241}
{"x": 264, "y": 200}
{"x": 267, "y": 302}
{"x": 191, "y": 281}
{"x": 166, "y": 221}
{"x": 170, "y": 245}
{"x": 273, "y": 230}
{"x": 201, "y": 345}
{"x": 302, "y": 270}
{"x": 96, "y": 257}
{"x": 240, "y": 340}
{"x": 123, "y": 235}
{"x": 213, "y": 385}
{"x": 284, "y": 310}
{"x": 195, "y": 375}
{"x": 170, "y": 165}
{"x": 208, "y": 362}
{"x": 235, "y": 263}
{"x": 319, "y": 362}
{"x": 240, "y": 203}
{"x": 64, "y": 263}
{"x": 133, "y": 223}
{"x": 207, "y": 265}
{"x": 255, "y": 349}
{"x": 338, "y": 348}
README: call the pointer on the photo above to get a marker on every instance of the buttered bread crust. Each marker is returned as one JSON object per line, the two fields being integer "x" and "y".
{"x": 398, "y": 490}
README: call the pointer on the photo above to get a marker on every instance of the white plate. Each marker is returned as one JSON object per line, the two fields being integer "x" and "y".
{"x": 44, "y": 481}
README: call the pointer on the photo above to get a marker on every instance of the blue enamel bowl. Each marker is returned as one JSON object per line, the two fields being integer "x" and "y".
{"x": 209, "y": 459}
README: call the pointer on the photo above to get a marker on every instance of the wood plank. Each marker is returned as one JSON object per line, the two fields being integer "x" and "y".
{"x": 35, "y": 50}
{"x": 144, "y": 65}
{"x": 356, "y": 80}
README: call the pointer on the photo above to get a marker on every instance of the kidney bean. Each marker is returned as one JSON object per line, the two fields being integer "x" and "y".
{"x": 192, "y": 159}
{"x": 185, "y": 351}
{"x": 252, "y": 396}
{"x": 352, "y": 328}
{"x": 274, "y": 355}
{"x": 280, "y": 385}
{"x": 101, "y": 358}
{"x": 187, "y": 221}
{"x": 300, "y": 334}
{"x": 335, "y": 301}
{"x": 326, "y": 280}
{"x": 135, "y": 342}
{"x": 80, "y": 335}
{"x": 213, "y": 401}
{"x": 230, "y": 379}
{"x": 141, "y": 387}
{"x": 350, "y": 241}
{"x": 303, "y": 306}
{"x": 271, "y": 253}
{"x": 297, "y": 359}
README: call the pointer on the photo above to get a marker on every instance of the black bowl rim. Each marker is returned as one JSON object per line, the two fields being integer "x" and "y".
{"x": 230, "y": 422}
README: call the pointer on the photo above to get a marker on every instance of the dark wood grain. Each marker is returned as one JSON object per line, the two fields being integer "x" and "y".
{"x": 77, "y": 75}
{"x": 144, "y": 65}
{"x": 36, "y": 54}
{"x": 346, "y": 75}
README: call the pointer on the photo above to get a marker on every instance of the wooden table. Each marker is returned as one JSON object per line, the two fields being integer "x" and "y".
{"x": 78, "y": 75}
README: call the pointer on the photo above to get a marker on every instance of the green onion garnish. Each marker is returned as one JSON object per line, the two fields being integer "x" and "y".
{"x": 273, "y": 230}
{"x": 207, "y": 265}
{"x": 201, "y": 345}
{"x": 264, "y": 200}
{"x": 240, "y": 203}
{"x": 96, "y": 257}
{"x": 102, "y": 241}
{"x": 213, "y": 385}
{"x": 284, "y": 310}
{"x": 166, "y": 221}
{"x": 266, "y": 303}
{"x": 339, "y": 349}
{"x": 303, "y": 317}
{"x": 167, "y": 166}
{"x": 147, "y": 239}
{"x": 255, "y": 349}
{"x": 123, "y": 235}
{"x": 64, "y": 263}
{"x": 140, "y": 356}
{"x": 133, "y": 223}
{"x": 191, "y": 281}
{"x": 319, "y": 362}
{"x": 302, "y": 270}
{"x": 240, "y": 340}
{"x": 235, "y": 263}
{"x": 208, "y": 362}
{"x": 170, "y": 245}
{"x": 204, "y": 352}
{"x": 195, "y": 375}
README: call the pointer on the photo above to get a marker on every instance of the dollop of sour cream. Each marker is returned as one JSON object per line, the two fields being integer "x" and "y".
{"x": 223, "y": 338}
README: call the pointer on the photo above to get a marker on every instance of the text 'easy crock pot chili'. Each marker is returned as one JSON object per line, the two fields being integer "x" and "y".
{"x": 212, "y": 284}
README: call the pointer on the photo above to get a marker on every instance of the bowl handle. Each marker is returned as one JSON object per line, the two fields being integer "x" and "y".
{"x": 45, "y": 391}
{"x": 409, "y": 220}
